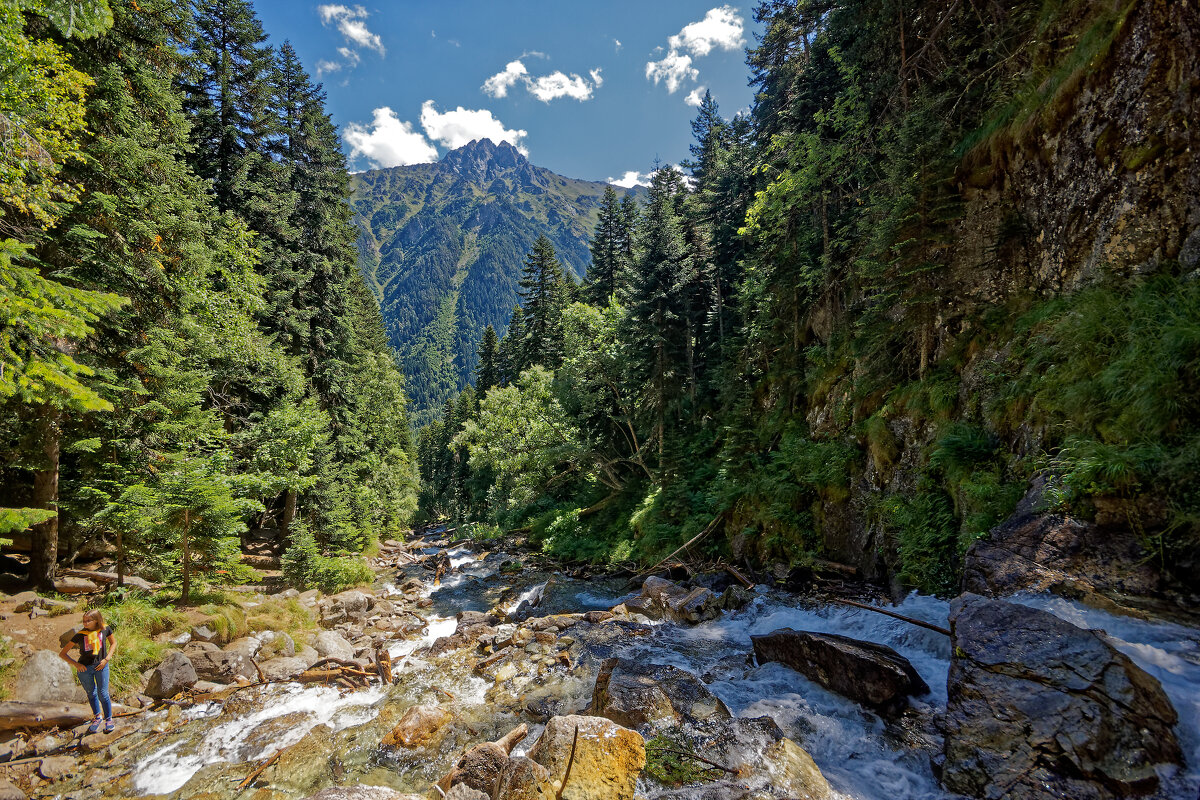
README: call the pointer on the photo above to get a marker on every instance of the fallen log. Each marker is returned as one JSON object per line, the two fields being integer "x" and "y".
{"x": 878, "y": 610}
{"x": 249, "y": 779}
{"x": 739, "y": 577}
{"x": 108, "y": 577}
{"x": 16, "y": 714}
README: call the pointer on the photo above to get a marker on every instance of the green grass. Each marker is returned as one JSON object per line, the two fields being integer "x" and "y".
{"x": 135, "y": 621}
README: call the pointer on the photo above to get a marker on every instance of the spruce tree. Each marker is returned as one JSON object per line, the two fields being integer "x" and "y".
{"x": 542, "y": 301}
{"x": 488, "y": 373}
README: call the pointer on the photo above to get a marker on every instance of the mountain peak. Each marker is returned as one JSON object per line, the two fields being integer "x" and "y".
{"x": 482, "y": 159}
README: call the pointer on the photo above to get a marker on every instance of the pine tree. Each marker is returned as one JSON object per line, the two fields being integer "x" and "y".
{"x": 488, "y": 373}
{"x": 542, "y": 301}
{"x": 610, "y": 251}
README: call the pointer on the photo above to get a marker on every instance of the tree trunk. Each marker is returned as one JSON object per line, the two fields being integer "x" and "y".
{"x": 187, "y": 523}
{"x": 285, "y": 521}
{"x": 43, "y": 555}
{"x": 120, "y": 559}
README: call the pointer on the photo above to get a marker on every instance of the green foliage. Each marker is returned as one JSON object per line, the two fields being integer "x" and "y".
{"x": 927, "y": 539}
{"x": 305, "y": 567}
{"x": 136, "y": 620}
{"x": 668, "y": 761}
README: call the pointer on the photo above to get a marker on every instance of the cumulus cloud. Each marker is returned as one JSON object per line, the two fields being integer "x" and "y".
{"x": 617, "y": 45}
{"x": 721, "y": 29}
{"x": 388, "y": 141}
{"x": 499, "y": 84}
{"x": 324, "y": 67}
{"x": 630, "y": 179}
{"x": 459, "y": 127}
{"x": 546, "y": 87}
{"x": 674, "y": 69}
{"x": 695, "y": 97}
{"x": 351, "y": 23}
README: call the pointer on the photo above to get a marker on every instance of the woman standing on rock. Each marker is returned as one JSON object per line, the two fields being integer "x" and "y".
{"x": 96, "y": 648}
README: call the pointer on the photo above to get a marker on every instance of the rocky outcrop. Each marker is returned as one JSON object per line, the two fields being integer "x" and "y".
{"x": 222, "y": 667}
{"x": 869, "y": 673}
{"x": 633, "y": 694}
{"x": 664, "y": 599}
{"x": 608, "y": 757}
{"x": 525, "y": 779}
{"x": 172, "y": 676}
{"x": 1041, "y": 709}
{"x": 46, "y": 678}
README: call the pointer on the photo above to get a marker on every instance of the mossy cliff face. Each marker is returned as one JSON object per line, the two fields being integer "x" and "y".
{"x": 1088, "y": 184}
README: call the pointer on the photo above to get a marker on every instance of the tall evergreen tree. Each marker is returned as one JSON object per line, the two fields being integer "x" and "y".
{"x": 488, "y": 373}
{"x": 542, "y": 301}
{"x": 611, "y": 250}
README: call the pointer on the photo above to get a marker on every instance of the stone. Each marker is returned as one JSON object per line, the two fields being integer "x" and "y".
{"x": 1039, "y": 708}
{"x": 222, "y": 667}
{"x": 608, "y": 757}
{"x": 246, "y": 645}
{"x": 24, "y": 600}
{"x": 75, "y": 586}
{"x": 95, "y": 742}
{"x": 464, "y": 792}
{"x": 308, "y": 655}
{"x": 332, "y": 645}
{"x": 481, "y": 766}
{"x": 525, "y": 779}
{"x": 55, "y": 768}
{"x": 632, "y": 693}
{"x": 182, "y": 639}
{"x": 868, "y": 673}
{"x": 10, "y": 792}
{"x": 46, "y": 678}
{"x": 208, "y": 687}
{"x": 203, "y": 633}
{"x": 595, "y": 617}
{"x": 277, "y": 669}
{"x": 418, "y": 725}
{"x": 792, "y": 770}
{"x": 174, "y": 674}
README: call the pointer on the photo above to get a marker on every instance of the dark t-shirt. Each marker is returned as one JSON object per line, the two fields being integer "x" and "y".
{"x": 93, "y": 645}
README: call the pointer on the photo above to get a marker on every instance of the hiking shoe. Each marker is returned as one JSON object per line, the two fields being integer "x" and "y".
{"x": 109, "y": 726}
{"x": 95, "y": 726}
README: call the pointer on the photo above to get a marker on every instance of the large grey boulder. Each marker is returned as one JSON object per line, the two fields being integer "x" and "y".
{"x": 46, "y": 678}
{"x": 329, "y": 644}
{"x": 277, "y": 669}
{"x": 173, "y": 675}
{"x": 1039, "y": 708}
{"x": 222, "y": 666}
{"x": 869, "y": 673}
{"x": 662, "y": 599}
{"x": 608, "y": 758}
{"x": 633, "y": 694}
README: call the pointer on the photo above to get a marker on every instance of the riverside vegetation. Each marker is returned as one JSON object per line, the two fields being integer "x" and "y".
{"x": 872, "y": 309}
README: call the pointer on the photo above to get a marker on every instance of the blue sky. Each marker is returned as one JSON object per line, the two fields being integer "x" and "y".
{"x": 590, "y": 90}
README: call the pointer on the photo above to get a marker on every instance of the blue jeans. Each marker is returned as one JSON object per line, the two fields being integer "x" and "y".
{"x": 95, "y": 686}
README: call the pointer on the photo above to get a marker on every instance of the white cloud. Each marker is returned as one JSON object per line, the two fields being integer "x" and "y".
{"x": 617, "y": 44}
{"x": 630, "y": 179}
{"x": 721, "y": 28}
{"x": 674, "y": 69}
{"x": 352, "y": 57}
{"x": 461, "y": 126}
{"x": 498, "y": 85}
{"x": 545, "y": 87}
{"x": 388, "y": 141}
{"x": 351, "y": 23}
{"x": 324, "y": 67}
{"x": 695, "y": 97}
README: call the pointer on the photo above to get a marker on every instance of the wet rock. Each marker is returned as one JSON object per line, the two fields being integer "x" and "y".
{"x": 1039, "y": 708}
{"x": 419, "y": 725}
{"x": 332, "y": 645}
{"x": 1101, "y": 565}
{"x": 46, "y": 678}
{"x": 869, "y": 673}
{"x": 663, "y": 599}
{"x": 10, "y": 792}
{"x": 736, "y": 597}
{"x": 633, "y": 694}
{"x": 481, "y": 766}
{"x": 94, "y": 742}
{"x": 208, "y": 687}
{"x": 792, "y": 769}
{"x": 172, "y": 676}
{"x": 525, "y": 779}
{"x": 50, "y": 742}
{"x": 729, "y": 668}
{"x": 595, "y": 617}
{"x": 446, "y": 644}
{"x": 608, "y": 757}
{"x": 222, "y": 666}
{"x": 57, "y": 767}
{"x": 464, "y": 792}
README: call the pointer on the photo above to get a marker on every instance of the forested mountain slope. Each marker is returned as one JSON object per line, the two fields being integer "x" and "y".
{"x": 949, "y": 259}
{"x": 441, "y": 245}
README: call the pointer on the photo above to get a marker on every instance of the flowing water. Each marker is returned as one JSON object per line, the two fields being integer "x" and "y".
{"x": 862, "y": 756}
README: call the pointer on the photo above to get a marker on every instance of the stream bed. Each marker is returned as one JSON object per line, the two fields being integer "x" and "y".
{"x": 331, "y": 736}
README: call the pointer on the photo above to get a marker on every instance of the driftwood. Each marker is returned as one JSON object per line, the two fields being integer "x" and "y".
{"x": 15, "y": 714}
{"x": 107, "y": 578}
{"x": 878, "y": 610}
{"x": 739, "y": 577}
{"x": 249, "y": 779}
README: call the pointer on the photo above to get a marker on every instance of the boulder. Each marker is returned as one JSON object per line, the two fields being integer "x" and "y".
{"x": 246, "y": 645}
{"x": 75, "y": 586}
{"x": 418, "y": 726}
{"x": 55, "y": 768}
{"x": 868, "y": 673}
{"x": 277, "y": 669}
{"x": 203, "y": 633}
{"x": 332, "y": 645}
{"x": 633, "y": 693}
{"x": 173, "y": 675}
{"x": 661, "y": 598}
{"x": 10, "y": 792}
{"x": 608, "y": 757}
{"x": 46, "y": 678}
{"x": 481, "y": 766}
{"x": 222, "y": 666}
{"x": 525, "y": 779}
{"x": 1039, "y": 708}
{"x": 464, "y": 792}
{"x": 48, "y": 603}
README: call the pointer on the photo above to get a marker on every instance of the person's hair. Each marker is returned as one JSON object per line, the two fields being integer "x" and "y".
{"x": 94, "y": 613}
